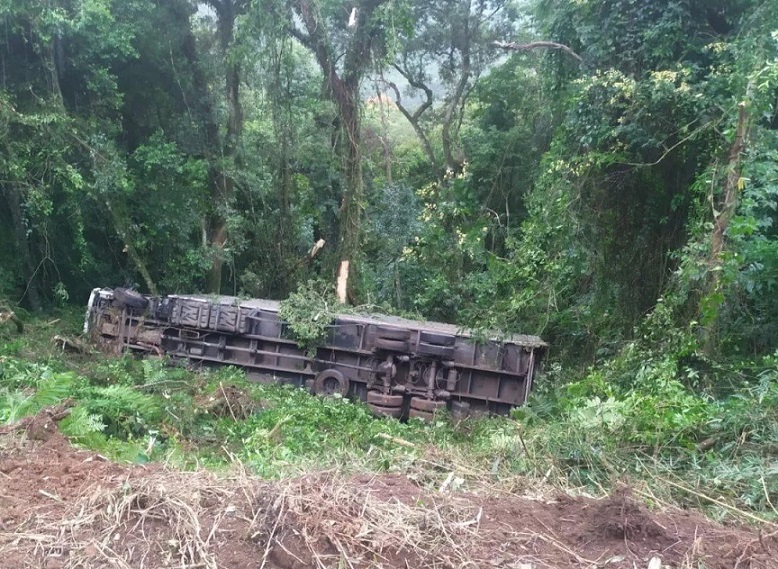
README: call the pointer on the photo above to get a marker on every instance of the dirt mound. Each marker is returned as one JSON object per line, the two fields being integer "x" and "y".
{"x": 43, "y": 425}
{"x": 621, "y": 517}
{"x": 64, "y": 508}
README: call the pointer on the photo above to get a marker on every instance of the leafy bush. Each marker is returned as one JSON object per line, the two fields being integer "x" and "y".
{"x": 309, "y": 312}
{"x": 125, "y": 411}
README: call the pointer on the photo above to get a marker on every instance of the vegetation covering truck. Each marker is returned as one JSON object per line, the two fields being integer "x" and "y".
{"x": 400, "y": 367}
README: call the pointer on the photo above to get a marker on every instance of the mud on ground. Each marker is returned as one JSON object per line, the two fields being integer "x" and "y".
{"x": 64, "y": 508}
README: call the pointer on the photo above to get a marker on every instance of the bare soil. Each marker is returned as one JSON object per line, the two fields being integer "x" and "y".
{"x": 62, "y": 508}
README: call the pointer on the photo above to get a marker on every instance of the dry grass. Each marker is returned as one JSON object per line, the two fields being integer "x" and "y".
{"x": 179, "y": 520}
{"x": 164, "y": 520}
{"x": 353, "y": 525}
{"x": 175, "y": 520}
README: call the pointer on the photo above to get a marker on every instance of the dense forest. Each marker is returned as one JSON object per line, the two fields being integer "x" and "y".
{"x": 573, "y": 169}
{"x": 595, "y": 172}
{"x": 602, "y": 173}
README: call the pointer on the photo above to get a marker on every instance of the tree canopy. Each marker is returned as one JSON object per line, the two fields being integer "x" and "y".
{"x": 613, "y": 171}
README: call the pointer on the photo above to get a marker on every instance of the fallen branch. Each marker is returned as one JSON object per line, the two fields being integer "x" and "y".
{"x": 396, "y": 440}
{"x": 72, "y": 345}
{"x": 8, "y": 315}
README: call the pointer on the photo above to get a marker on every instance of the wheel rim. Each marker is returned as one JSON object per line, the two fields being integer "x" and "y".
{"x": 331, "y": 382}
{"x": 331, "y": 385}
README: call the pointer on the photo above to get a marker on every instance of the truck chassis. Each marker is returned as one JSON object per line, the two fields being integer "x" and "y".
{"x": 401, "y": 368}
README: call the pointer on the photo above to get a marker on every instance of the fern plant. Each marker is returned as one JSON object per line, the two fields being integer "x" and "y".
{"x": 53, "y": 389}
{"x": 125, "y": 411}
{"x": 81, "y": 423}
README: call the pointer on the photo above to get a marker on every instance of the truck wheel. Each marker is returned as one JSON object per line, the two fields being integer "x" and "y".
{"x": 426, "y": 405}
{"x": 433, "y": 350}
{"x": 330, "y": 382}
{"x": 394, "y": 345}
{"x": 392, "y": 333}
{"x": 130, "y": 298}
{"x": 424, "y": 415}
{"x": 378, "y": 398}
{"x": 379, "y": 411}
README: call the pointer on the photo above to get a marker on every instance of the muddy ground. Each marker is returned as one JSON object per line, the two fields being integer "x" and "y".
{"x": 65, "y": 508}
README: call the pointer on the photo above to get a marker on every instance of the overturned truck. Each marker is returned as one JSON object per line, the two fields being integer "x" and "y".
{"x": 400, "y": 367}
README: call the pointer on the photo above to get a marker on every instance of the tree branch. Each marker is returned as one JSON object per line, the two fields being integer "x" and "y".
{"x": 413, "y": 119}
{"x": 416, "y": 84}
{"x": 304, "y": 39}
{"x": 512, "y": 46}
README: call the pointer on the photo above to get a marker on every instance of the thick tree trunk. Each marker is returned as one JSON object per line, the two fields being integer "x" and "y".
{"x": 214, "y": 228}
{"x": 344, "y": 88}
{"x": 223, "y": 182}
{"x": 351, "y": 203}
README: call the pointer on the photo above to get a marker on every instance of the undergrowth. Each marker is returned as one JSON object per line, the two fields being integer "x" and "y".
{"x": 646, "y": 418}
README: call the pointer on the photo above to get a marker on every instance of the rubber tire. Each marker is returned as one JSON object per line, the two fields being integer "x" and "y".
{"x": 437, "y": 339}
{"x": 394, "y": 345}
{"x": 319, "y": 387}
{"x": 130, "y": 298}
{"x": 424, "y": 415}
{"x": 460, "y": 410}
{"x": 426, "y": 405}
{"x": 392, "y": 333}
{"x": 378, "y": 411}
{"x": 381, "y": 400}
{"x": 432, "y": 350}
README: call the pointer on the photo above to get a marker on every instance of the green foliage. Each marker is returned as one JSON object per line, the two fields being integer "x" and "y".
{"x": 47, "y": 389}
{"x": 309, "y": 312}
{"x": 80, "y": 425}
{"x": 656, "y": 428}
{"x": 580, "y": 205}
{"x": 125, "y": 411}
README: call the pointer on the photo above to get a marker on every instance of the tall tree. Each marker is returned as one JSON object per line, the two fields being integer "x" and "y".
{"x": 227, "y": 160}
{"x": 449, "y": 43}
{"x": 342, "y": 45}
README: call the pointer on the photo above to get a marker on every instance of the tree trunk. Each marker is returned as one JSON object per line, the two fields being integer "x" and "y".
{"x": 121, "y": 224}
{"x": 344, "y": 89}
{"x": 211, "y": 150}
{"x": 384, "y": 135}
{"x": 32, "y": 292}
{"x": 415, "y": 118}
{"x": 353, "y": 194}
{"x": 721, "y": 223}
{"x": 454, "y": 104}
{"x": 450, "y": 116}
{"x": 282, "y": 125}
{"x": 223, "y": 182}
